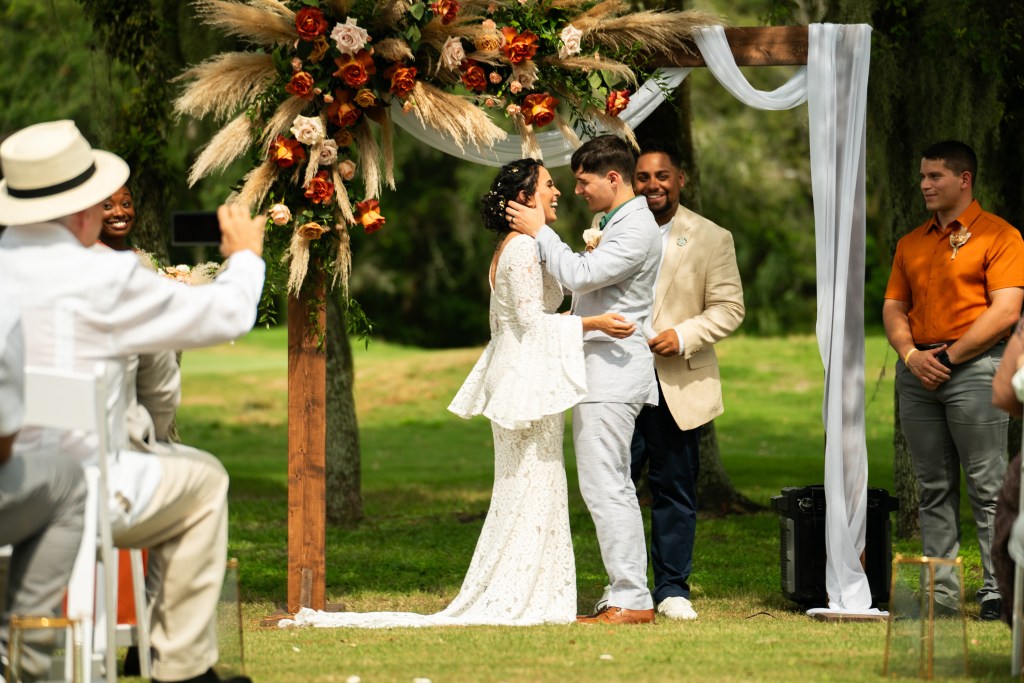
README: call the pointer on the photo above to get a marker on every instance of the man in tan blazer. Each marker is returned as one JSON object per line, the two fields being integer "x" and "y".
{"x": 698, "y": 300}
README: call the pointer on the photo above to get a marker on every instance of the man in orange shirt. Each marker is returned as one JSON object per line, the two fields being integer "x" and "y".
{"x": 954, "y": 295}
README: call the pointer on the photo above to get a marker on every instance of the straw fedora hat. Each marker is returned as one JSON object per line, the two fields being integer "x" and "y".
{"x": 50, "y": 171}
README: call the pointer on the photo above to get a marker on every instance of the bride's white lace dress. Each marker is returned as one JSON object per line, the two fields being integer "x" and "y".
{"x": 523, "y": 571}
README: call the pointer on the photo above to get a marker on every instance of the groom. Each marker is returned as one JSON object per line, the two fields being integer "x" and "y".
{"x": 617, "y": 276}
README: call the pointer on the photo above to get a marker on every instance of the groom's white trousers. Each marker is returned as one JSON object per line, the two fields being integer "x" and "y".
{"x": 602, "y": 434}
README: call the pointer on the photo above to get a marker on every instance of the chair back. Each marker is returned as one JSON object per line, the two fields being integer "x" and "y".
{"x": 76, "y": 400}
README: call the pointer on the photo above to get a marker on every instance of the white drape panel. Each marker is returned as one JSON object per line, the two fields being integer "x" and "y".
{"x": 834, "y": 84}
{"x": 555, "y": 149}
{"x": 838, "y": 60}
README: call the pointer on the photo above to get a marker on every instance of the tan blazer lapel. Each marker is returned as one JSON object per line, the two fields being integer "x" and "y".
{"x": 678, "y": 238}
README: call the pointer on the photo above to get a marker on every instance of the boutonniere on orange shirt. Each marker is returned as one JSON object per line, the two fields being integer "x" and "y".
{"x": 958, "y": 239}
{"x": 592, "y": 237}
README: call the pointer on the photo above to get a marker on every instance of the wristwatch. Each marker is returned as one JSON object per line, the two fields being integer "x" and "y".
{"x": 943, "y": 358}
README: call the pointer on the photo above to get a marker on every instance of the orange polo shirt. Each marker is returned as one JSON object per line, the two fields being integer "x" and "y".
{"x": 947, "y": 294}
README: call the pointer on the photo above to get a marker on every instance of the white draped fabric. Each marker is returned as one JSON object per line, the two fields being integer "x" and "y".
{"x": 834, "y": 85}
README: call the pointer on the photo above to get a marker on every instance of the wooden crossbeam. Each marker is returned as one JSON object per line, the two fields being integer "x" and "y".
{"x": 758, "y": 46}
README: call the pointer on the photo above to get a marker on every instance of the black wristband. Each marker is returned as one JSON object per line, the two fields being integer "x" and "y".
{"x": 943, "y": 358}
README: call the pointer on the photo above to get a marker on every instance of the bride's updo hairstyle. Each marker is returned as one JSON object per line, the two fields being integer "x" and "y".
{"x": 513, "y": 178}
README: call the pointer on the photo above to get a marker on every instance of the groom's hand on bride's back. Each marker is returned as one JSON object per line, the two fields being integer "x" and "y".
{"x": 525, "y": 219}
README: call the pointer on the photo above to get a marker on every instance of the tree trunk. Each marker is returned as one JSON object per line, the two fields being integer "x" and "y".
{"x": 344, "y": 497}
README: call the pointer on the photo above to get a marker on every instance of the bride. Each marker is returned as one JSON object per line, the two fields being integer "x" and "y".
{"x": 523, "y": 571}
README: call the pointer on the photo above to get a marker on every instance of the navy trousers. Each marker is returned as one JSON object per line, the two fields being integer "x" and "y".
{"x": 673, "y": 459}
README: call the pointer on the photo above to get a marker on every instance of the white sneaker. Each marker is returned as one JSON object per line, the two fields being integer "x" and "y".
{"x": 678, "y": 608}
{"x": 602, "y": 602}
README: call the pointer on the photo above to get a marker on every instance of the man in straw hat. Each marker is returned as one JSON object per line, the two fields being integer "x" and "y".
{"x": 80, "y": 306}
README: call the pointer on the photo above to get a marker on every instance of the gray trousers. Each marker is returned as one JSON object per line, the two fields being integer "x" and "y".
{"x": 602, "y": 435}
{"x": 952, "y": 428}
{"x": 42, "y": 505}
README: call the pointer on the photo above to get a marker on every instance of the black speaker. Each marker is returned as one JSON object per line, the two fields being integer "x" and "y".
{"x": 802, "y": 543}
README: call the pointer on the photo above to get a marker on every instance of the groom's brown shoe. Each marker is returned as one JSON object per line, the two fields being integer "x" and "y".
{"x": 619, "y": 615}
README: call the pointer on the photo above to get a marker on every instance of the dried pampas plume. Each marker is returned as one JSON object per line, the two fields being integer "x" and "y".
{"x": 282, "y": 120}
{"x": 615, "y": 125}
{"x": 343, "y": 261}
{"x": 257, "y": 184}
{"x": 231, "y": 142}
{"x": 394, "y": 50}
{"x": 224, "y": 83}
{"x": 264, "y": 22}
{"x": 298, "y": 258}
{"x": 387, "y": 13}
{"x": 369, "y": 158}
{"x": 341, "y": 195}
{"x": 457, "y": 118}
{"x": 662, "y": 34}
{"x": 529, "y": 145}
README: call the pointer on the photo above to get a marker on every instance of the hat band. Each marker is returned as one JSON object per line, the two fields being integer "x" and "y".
{"x": 53, "y": 189}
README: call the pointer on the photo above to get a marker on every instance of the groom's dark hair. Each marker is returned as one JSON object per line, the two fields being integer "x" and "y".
{"x": 517, "y": 177}
{"x": 603, "y": 154}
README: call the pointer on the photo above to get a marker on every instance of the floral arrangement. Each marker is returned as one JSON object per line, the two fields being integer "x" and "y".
{"x": 312, "y": 103}
{"x": 199, "y": 274}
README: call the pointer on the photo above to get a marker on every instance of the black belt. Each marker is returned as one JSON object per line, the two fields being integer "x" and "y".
{"x": 929, "y": 347}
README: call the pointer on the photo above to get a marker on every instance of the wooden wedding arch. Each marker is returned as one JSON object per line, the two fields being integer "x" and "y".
{"x": 307, "y": 364}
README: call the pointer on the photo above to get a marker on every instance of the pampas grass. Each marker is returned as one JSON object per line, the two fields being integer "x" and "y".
{"x": 265, "y": 22}
{"x": 662, "y": 34}
{"x": 231, "y": 142}
{"x": 257, "y": 184}
{"x": 223, "y": 84}
{"x": 394, "y": 50}
{"x": 592, "y": 64}
{"x": 369, "y": 158}
{"x": 456, "y": 117}
{"x": 343, "y": 260}
{"x": 387, "y": 13}
{"x": 298, "y": 262}
{"x": 282, "y": 120}
{"x": 341, "y": 196}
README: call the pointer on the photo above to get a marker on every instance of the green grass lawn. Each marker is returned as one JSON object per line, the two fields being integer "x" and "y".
{"x": 426, "y": 485}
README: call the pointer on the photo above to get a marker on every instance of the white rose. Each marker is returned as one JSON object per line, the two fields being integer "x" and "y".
{"x": 570, "y": 37}
{"x": 592, "y": 237}
{"x": 347, "y": 170}
{"x": 452, "y": 53}
{"x": 349, "y": 38}
{"x": 308, "y": 130}
{"x": 328, "y": 152}
{"x": 280, "y": 214}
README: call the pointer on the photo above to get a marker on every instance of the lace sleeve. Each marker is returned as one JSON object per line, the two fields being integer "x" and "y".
{"x": 534, "y": 365}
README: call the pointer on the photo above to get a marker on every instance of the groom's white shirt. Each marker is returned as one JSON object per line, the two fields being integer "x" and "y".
{"x": 618, "y": 276}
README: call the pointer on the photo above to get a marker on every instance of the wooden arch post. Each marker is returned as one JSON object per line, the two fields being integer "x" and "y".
{"x": 307, "y": 363}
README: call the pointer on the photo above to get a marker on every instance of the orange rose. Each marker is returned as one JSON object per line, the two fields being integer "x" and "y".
{"x": 365, "y": 98}
{"x": 355, "y": 70}
{"x": 403, "y": 79}
{"x": 474, "y": 77}
{"x": 342, "y": 111}
{"x": 310, "y": 23}
{"x": 368, "y": 215}
{"x": 301, "y": 85}
{"x": 539, "y": 109}
{"x": 518, "y": 47}
{"x": 311, "y": 231}
{"x": 446, "y": 9}
{"x": 286, "y": 152}
{"x": 320, "y": 189}
{"x": 616, "y": 102}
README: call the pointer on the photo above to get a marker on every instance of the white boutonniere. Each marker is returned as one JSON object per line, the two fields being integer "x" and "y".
{"x": 592, "y": 237}
{"x": 958, "y": 239}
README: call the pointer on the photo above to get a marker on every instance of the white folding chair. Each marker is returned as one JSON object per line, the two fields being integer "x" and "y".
{"x": 69, "y": 400}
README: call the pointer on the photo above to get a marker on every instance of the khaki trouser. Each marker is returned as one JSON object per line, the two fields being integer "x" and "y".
{"x": 184, "y": 526}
